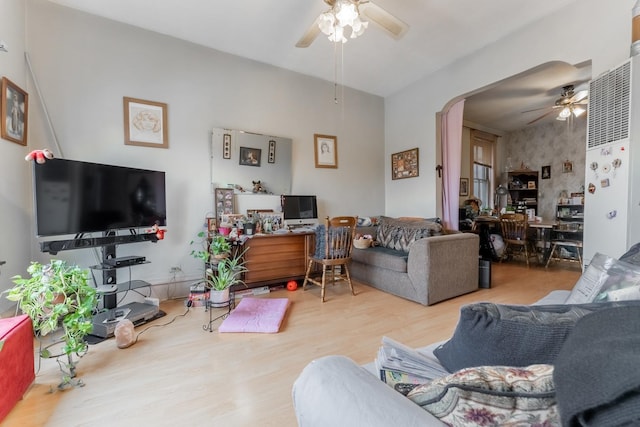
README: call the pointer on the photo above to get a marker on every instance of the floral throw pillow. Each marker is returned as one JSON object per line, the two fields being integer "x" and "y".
{"x": 492, "y": 395}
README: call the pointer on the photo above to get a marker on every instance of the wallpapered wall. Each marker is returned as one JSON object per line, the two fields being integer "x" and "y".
{"x": 550, "y": 144}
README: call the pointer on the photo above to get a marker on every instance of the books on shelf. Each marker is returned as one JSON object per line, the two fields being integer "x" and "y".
{"x": 397, "y": 363}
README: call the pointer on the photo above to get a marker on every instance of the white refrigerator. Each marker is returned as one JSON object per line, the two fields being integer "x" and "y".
{"x": 612, "y": 169}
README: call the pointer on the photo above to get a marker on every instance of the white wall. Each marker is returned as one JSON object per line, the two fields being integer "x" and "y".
{"x": 85, "y": 65}
{"x": 599, "y": 30}
{"x": 15, "y": 195}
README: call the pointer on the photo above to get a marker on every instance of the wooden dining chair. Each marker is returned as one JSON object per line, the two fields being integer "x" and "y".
{"x": 334, "y": 244}
{"x": 515, "y": 233}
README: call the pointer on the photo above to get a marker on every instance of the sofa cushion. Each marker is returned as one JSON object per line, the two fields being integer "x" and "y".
{"x": 598, "y": 383}
{"x": 492, "y": 395}
{"x": 512, "y": 335}
{"x": 382, "y": 257}
{"x": 607, "y": 279}
{"x": 398, "y": 234}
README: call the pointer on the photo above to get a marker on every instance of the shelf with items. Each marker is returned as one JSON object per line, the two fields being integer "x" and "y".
{"x": 523, "y": 190}
{"x": 568, "y": 231}
{"x": 568, "y": 212}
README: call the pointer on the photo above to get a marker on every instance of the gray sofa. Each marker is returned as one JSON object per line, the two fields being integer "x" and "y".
{"x": 416, "y": 260}
{"x": 335, "y": 391}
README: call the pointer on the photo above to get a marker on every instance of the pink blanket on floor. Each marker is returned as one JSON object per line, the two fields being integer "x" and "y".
{"x": 263, "y": 315}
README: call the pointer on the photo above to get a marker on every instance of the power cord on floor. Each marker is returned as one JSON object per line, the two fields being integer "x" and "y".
{"x": 164, "y": 324}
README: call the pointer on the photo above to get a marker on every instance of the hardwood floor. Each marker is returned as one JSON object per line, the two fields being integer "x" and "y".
{"x": 179, "y": 374}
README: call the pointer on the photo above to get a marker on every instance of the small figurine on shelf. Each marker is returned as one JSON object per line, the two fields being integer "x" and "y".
{"x": 268, "y": 227}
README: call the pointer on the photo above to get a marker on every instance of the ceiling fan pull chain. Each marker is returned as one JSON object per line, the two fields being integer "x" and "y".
{"x": 335, "y": 72}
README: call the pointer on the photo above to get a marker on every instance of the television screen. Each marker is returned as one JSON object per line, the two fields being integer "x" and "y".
{"x": 300, "y": 210}
{"x": 73, "y": 197}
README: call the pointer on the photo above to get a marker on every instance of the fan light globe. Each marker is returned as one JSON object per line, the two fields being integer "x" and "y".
{"x": 578, "y": 111}
{"x": 335, "y": 21}
{"x": 566, "y": 112}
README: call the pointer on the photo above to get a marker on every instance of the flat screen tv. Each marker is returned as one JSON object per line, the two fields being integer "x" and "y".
{"x": 74, "y": 197}
{"x": 299, "y": 210}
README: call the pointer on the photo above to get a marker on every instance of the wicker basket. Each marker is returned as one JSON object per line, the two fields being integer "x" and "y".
{"x": 362, "y": 243}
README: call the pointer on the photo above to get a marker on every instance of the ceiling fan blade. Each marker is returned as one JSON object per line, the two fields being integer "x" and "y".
{"x": 310, "y": 35}
{"x": 541, "y": 117}
{"x": 386, "y": 21}
{"x": 579, "y": 96}
{"x": 535, "y": 109}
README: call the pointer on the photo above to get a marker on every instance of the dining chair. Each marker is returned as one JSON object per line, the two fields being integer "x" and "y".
{"x": 334, "y": 243}
{"x": 515, "y": 233}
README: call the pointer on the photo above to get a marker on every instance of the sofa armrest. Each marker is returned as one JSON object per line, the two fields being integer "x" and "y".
{"x": 335, "y": 391}
{"x": 444, "y": 266}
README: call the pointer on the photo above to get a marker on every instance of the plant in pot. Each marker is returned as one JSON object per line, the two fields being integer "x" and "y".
{"x": 220, "y": 247}
{"x": 227, "y": 273}
{"x": 57, "y": 297}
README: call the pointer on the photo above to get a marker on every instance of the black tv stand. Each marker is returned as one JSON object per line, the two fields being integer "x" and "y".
{"x": 104, "y": 323}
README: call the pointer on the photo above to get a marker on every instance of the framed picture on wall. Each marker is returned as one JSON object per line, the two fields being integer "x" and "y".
{"x": 226, "y": 146}
{"x": 250, "y": 156}
{"x": 14, "y": 109}
{"x": 272, "y": 151}
{"x": 405, "y": 164}
{"x": 224, "y": 202}
{"x": 464, "y": 186}
{"x": 546, "y": 172}
{"x": 326, "y": 151}
{"x": 145, "y": 123}
{"x": 567, "y": 167}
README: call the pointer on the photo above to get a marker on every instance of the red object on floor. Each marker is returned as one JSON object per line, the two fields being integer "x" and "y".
{"x": 16, "y": 361}
{"x": 292, "y": 285}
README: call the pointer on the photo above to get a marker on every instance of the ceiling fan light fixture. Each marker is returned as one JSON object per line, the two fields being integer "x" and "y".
{"x": 327, "y": 23}
{"x": 342, "y": 18}
{"x": 578, "y": 111}
{"x": 346, "y": 13}
{"x": 564, "y": 113}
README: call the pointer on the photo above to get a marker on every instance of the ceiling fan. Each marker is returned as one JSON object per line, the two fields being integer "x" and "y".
{"x": 332, "y": 25}
{"x": 567, "y": 106}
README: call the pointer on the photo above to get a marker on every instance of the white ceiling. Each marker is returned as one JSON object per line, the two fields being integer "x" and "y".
{"x": 440, "y": 31}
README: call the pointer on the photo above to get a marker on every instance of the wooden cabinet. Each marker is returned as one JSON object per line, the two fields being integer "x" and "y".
{"x": 276, "y": 258}
{"x": 523, "y": 189}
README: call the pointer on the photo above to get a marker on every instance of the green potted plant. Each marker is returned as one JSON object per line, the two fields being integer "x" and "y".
{"x": 56, "y": 297}
{"x": 227, "y": 273}
{"x": 220, "y": 247}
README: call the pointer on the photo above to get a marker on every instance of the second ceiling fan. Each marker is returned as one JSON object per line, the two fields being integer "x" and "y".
{"x": 568, "y": 105}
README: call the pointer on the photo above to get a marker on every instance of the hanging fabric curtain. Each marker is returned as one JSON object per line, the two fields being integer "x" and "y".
{"x": 451, "y": 156}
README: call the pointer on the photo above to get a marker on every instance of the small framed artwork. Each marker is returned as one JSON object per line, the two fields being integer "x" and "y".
{"x": 464, "y": 186}
{"x": 567, "y": 167}
{"x": 405, "y": 164}
{"x": 224, "y": 202}
{"x": 226, "y": 146}
{"x": 546, "y": 172}
{"x": 271, "y": 158}
{"x": 14, "y": 110}
{"x": 531, "y": 185}
{"x": 211, "y": 225}
{"x": 326, "y": 151}
{"x": 250, "y": 156}
{"x": 145, "y": 123}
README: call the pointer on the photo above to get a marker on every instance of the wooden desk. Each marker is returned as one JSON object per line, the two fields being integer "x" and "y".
{"x": 276, "y": 258}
